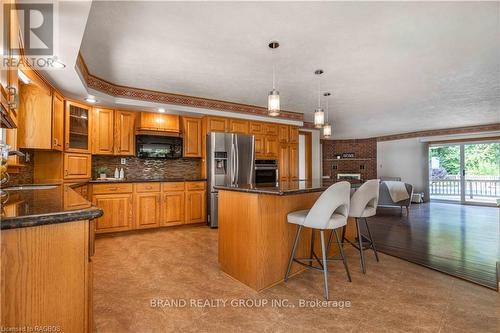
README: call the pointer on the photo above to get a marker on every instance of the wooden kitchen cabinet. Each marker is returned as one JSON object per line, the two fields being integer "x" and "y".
{"x": 172, "y": 208}
{"x": 117, "y": 210}
{"x": 284, "y": 161}
{"x": 124, "y": 133}
{"x": 217, "y": 124}
{"x": 192, "y": 145}
{"x": 35, "y": 116}
{"x": 77, "y": 166}
{"x": 103, "y": 131}
{"x": 196, "y": 206}
{"x": 238, "y": 126}
{"x": 288, "y": 161}
{"x": 270, "y": 129}
{"x": 113, "y": 132}
{"x": 77, "y": 128}
{"x": 260, "y": 150}
{"x": 256, "y": 128}
{"x": 294, "y": 134}
{"x": 147, "y": 210}
{"x": 9, "y": 83}
{"x": 283, "y": 133}
{"x": 149, "y": 121}
{"x": 294, "y": 162}
{"x": 48, "y": 278}
{"x": 271, "y": 147}
{"x": 57, "y": 121}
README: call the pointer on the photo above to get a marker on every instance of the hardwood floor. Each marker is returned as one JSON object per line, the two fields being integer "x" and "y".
{"x": 460, "y": 240}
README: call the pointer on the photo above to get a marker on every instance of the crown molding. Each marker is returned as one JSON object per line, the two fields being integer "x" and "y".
{"x": 116, "y": 90}
{"x": 439, "y": 132}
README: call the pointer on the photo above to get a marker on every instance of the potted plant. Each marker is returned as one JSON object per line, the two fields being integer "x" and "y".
{"x": 102, "y": 172}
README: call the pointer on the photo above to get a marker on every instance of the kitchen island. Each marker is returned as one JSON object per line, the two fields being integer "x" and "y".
{"x": 255, "y": 238}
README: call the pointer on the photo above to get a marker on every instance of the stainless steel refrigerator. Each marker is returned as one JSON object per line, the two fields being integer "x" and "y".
{"x": 230, "y": 161}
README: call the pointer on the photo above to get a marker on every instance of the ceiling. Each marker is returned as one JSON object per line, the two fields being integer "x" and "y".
{"x": 392, "y": 67}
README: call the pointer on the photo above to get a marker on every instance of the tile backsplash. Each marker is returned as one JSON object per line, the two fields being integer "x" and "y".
{"x": 139, "y": 168}
{"x": 25, "y": 174}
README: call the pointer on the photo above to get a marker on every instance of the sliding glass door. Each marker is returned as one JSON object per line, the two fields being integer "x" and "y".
{"x": 467, "y": 172}
{"x": 482, "y": 172}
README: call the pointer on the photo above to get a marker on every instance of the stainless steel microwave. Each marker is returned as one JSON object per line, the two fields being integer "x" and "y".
{"x": 153, "y": 146}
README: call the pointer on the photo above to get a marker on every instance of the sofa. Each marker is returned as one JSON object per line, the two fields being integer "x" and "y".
{"x": 385, "y": 199}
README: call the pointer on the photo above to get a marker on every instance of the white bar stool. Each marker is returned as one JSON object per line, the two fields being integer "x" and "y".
{"x": 364, "y": 204}
{"x": 329, "y": 212}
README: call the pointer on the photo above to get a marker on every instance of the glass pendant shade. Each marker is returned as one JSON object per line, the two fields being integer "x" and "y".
{"x": 319, "y": 118}
{"x": 327, "y": 130}
{"x": 273, "y": 103}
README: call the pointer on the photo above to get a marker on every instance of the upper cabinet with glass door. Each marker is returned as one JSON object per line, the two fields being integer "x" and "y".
{"x": 77, "y": 127}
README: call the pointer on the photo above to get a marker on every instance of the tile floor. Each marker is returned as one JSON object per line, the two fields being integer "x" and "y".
{"x": 180, "y": 264}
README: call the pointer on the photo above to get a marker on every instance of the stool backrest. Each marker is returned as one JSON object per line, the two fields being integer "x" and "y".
{"x": 334, "y": 200}
{"x": 365, "y": 196}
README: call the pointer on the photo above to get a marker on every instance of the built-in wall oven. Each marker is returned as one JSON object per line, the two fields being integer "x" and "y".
{"x": 266, "y": 171}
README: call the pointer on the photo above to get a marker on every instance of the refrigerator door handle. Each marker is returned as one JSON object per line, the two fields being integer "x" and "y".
{"x": 233, "y": 161}
{"x": 237, "y": 160}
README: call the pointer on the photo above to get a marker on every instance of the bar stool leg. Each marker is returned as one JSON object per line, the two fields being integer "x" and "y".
{"x": 325, "y": 262}
{"x": 360, "y": 242}
{"x": 329, "y": 246}
{"x": 292, "y": 255}
{"x": 343, "y": 235}
{"x": 344, "y": 259}
{"x": 371, "y": 240}
{"x": 312, "y": 247}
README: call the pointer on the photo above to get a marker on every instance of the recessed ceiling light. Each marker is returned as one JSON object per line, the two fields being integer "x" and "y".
{"x": 91, "y": 99}
{"x": 162, "y": 110}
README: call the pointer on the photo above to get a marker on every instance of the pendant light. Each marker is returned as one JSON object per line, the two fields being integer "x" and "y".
{"x": 319, "y": 114}
{"x": 273, "y": 99}
{"x": 327, "y": 128}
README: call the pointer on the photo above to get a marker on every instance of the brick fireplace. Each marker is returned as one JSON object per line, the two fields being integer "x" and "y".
{"x": 363, "y": 161}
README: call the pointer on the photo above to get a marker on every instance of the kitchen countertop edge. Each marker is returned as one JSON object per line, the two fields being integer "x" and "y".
{"x": 50, "y": 218}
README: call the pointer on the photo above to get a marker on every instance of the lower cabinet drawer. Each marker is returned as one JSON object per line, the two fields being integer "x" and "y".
{"x": 109, "y": 188}
{"x": 147, "y": 187}
{"x": 195, "y": 185}
{"x": 174, "y": 186}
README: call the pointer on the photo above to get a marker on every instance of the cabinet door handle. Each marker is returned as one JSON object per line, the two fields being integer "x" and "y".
{"x": 66, "y": 172}
{"x": 56, "y": 142}
{"x": 112, "y": 188}
{"x": 12, "y": 90}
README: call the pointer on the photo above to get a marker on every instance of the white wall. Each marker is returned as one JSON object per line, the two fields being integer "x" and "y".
{"x": 315, "y": 153}
{"x": 302, "y": 157}
{"x": 406, "y": 159}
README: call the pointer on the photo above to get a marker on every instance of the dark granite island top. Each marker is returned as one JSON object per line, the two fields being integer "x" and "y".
{"x": 49, "y": 204}
{"x": 281, "y": 188}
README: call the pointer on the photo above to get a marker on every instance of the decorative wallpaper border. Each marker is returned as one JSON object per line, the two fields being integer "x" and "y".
{"x": 116, "y": 90}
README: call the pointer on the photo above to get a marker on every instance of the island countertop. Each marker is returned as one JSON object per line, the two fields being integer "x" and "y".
{"x": 47, "y": 204}
{"x": 281, "y": 188}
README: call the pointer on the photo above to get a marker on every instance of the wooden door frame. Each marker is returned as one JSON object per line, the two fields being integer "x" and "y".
{"x": 307, "y": 153}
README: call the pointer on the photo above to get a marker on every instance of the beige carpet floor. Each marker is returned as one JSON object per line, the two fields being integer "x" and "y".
{"x": 169, "y": 281}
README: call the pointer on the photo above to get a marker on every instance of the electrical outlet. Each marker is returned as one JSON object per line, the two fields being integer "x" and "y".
{"x": 123, "y": 161}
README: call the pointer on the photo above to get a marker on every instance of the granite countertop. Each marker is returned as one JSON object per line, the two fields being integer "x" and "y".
{"x": 154, "y": 180}
{"x": 37, "y": 205}
{"x": 282, "y": 188}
